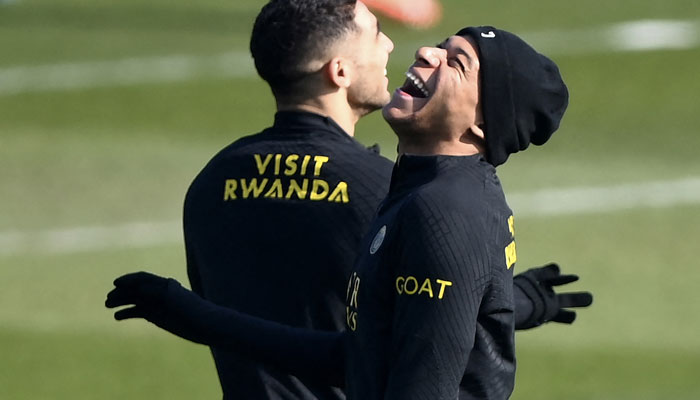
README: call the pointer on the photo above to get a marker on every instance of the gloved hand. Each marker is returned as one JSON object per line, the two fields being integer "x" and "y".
{"x": 538, "y": 284}
{"x": 162, "y": 301}
{"x": 313, "y": 355}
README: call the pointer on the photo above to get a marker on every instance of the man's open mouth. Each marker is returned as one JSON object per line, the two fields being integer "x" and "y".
{"x": 415, "y": 86}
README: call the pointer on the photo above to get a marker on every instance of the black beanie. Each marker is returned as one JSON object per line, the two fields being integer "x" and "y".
{"x": 523, "y": 96}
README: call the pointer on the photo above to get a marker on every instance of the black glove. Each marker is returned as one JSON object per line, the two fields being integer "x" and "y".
{"x": 162, "y": 301}
{"x": 537, "y": 284}
{"x": 314, "y": 355}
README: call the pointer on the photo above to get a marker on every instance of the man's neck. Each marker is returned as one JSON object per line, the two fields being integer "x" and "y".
{"x": 341, "y": 115}
{"x": 438, "y": 148}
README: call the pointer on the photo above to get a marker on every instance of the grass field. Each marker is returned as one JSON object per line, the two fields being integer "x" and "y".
{"x": 122, "y": 149}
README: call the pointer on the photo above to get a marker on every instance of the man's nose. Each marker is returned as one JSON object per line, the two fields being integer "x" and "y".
{"x": 431, "y": 56}
{"x": 390, "y": 44}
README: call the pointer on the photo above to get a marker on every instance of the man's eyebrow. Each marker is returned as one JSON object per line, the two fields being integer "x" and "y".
{"x": 458, "y": 50}
{"x": 470, "y": 59}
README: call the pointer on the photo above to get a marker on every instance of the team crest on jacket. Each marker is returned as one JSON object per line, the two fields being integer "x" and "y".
{"x": 378, "y": 240}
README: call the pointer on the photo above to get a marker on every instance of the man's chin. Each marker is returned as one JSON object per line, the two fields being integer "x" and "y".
{"x": 399, "y": 120}
{"x": 398, "y": 113}
{"x": 391, "y": 113}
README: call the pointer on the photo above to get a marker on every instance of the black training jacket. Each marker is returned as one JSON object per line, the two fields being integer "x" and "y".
{"x": 271, "y": 225}
{"x": 430, "y": 303}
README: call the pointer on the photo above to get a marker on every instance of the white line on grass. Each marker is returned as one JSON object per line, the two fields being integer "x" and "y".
{"x": 82, "y": 239}
{"x": 644, "y": 35}
{"x": 654, "y": 35}
{"x": 130, "y": 71}
{"x": 586, "y": 200}
{"x": 540, "y": 203}
{"x": 632, "y": 36}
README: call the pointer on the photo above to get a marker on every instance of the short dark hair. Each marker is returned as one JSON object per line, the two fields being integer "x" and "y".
{"x": 289, "y": 33}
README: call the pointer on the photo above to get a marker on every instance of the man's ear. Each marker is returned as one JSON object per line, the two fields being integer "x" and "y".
{"x": 475, "y": 136}
{"x": 477, "y": 130}
{"x": 339, "y": 72}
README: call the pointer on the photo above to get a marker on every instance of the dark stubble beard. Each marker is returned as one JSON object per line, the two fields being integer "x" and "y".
{"x": 363, "y": 104}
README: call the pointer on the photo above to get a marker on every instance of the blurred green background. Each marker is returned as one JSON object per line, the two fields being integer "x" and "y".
{"x": 108, "y": 110}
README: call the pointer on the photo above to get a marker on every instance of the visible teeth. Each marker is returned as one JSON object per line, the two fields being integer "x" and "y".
{"x": 385, "y": 71}
{"x": 418, "y": 82}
